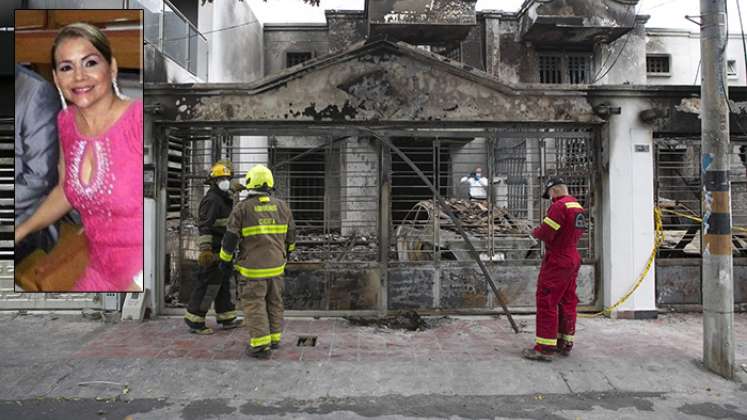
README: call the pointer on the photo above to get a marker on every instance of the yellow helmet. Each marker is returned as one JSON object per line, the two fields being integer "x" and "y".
{"x": 220, "y": 169}
{"x": 259, "y": 176}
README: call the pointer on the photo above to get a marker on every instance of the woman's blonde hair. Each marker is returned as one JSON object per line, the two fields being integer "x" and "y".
{"x": 88, "y": 32}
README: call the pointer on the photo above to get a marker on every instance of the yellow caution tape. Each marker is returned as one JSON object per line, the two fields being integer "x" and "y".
{"x": 658, "y": 239}
{"x": 699, "y": 220}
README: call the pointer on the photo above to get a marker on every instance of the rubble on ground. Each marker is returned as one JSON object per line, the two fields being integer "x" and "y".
{"x": 409, "y": 321}
{"x": 475, "y": 218}
{"x": 335, "y": 247}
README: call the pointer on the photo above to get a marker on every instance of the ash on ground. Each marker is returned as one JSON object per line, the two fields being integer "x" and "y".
{"x": 409, "y": 321}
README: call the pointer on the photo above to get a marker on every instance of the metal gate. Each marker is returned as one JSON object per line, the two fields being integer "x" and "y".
{"x": 9, "y": 298}
{"x": 678, "y": 190}
{"x": 337, "y": 186}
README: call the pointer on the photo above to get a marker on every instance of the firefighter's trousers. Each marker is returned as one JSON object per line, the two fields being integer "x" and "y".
{"x": 212, "y": 285}
{"x": 556, "y": 306}
{"x": 262, "y": 302}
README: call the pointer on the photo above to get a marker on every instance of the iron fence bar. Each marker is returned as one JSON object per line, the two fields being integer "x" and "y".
{"x": 472, "y": 251}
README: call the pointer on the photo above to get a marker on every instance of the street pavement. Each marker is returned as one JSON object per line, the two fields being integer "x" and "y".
{"x": 66, "y": 366}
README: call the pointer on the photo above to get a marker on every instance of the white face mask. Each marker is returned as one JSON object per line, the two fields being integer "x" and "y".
{"x": 224, "y": 185}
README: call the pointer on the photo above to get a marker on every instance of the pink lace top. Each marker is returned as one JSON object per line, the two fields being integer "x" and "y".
{"x": 111, "y": 202}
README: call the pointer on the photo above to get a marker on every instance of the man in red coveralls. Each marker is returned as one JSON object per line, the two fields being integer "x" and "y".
{"x": 556, "y": 285}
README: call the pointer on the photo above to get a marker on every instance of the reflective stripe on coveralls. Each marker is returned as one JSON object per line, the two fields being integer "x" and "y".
{"x": 547, "y": 341}
{"x": 552, "y": 223}
{"x": 275, "y": 337}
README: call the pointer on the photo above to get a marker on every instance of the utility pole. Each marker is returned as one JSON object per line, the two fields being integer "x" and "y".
{"x": 717, "y": 272}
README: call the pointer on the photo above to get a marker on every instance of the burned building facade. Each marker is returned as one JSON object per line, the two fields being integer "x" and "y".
{"x": 367, "y": 118}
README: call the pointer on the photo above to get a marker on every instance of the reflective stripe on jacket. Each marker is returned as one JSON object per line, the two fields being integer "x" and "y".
{"x": 267, "y": 231}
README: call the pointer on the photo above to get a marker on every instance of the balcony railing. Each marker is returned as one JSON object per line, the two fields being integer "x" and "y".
{"x": 166, "y": 28}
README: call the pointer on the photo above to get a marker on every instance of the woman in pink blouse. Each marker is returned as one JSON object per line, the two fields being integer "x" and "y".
{"x": 101, "y": 161}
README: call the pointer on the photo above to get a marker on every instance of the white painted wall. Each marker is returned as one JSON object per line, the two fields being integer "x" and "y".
{"x": 235, "y": 41}
{"x": 684, "y": 49}
{"x": 628, "y": 208}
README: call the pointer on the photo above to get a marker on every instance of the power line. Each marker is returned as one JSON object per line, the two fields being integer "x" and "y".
{"x": 599, "y": 77}
{"x": 210, "y": 32}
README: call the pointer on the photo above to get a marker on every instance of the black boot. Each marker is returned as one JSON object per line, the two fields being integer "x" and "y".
{"x": 230, "y": 324}
{"x": 262, "y": 353}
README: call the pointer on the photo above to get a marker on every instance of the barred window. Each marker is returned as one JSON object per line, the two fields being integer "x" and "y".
{"x": 579, "y": 69}
{"x": 295, "y": 58}
{"x": 657, "y": 64}
{"x": 573, "y": 68}
{"x": 550, "y": 69}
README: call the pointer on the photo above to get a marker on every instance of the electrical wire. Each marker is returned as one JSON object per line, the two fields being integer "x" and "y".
{"x": 210, "y": 32}
{"x": 599, "y": 77}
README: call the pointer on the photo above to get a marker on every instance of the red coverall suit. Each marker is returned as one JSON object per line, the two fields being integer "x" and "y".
{"x": 556, "y": 285}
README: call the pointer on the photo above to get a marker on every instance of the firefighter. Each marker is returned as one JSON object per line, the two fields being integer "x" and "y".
{"x": 262, "y": 228}
{"x": 212, "y": 283}
{"x": 556, "y": 286}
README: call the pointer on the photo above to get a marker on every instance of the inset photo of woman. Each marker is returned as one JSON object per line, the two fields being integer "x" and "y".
{"x": 78, "y": 151}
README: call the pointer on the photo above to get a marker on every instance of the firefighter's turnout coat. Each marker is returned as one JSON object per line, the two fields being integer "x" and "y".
{"x": 266, "y": 232}
{"x": 214, "y": 210}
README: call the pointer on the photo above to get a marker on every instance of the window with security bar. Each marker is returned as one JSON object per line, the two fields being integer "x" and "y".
{"x": 550, "y": 68}
{"x": 493, "y": 186}
{"x": 657, "y": 65}
{"x": 296, "y": 58}
{"x": 678, "y": 193}
{"x": 568, "y": 68}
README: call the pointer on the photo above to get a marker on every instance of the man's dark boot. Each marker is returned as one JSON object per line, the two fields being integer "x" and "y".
{"x": 564, "y": 348}
{"x": 537, "y": 355}
{"x": 262, "y": 353}
{"x": 230, "y": 324}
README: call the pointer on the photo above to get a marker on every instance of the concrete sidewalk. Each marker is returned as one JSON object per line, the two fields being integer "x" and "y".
{"x": 63, "y": 366}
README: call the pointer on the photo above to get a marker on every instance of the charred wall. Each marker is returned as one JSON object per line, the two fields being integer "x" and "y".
{"x": 346, "y": 27}
{"x": 279, "y": 40}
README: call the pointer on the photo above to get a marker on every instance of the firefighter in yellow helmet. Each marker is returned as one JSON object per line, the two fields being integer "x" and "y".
{"x": 212, "y": 284}
{"x": 263, "y": 230}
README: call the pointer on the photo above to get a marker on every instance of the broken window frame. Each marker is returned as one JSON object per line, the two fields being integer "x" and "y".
{"x": 731, "y": 69}
{"x": 678, "y": 187}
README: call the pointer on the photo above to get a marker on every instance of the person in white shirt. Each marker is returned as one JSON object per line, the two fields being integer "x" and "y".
{"x": 477, "y": 185}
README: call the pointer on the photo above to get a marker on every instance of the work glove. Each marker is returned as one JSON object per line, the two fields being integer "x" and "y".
{"x": 206, "y": 258}
{"x": 236, "y": 186}
{"x": 225, "y": 267}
